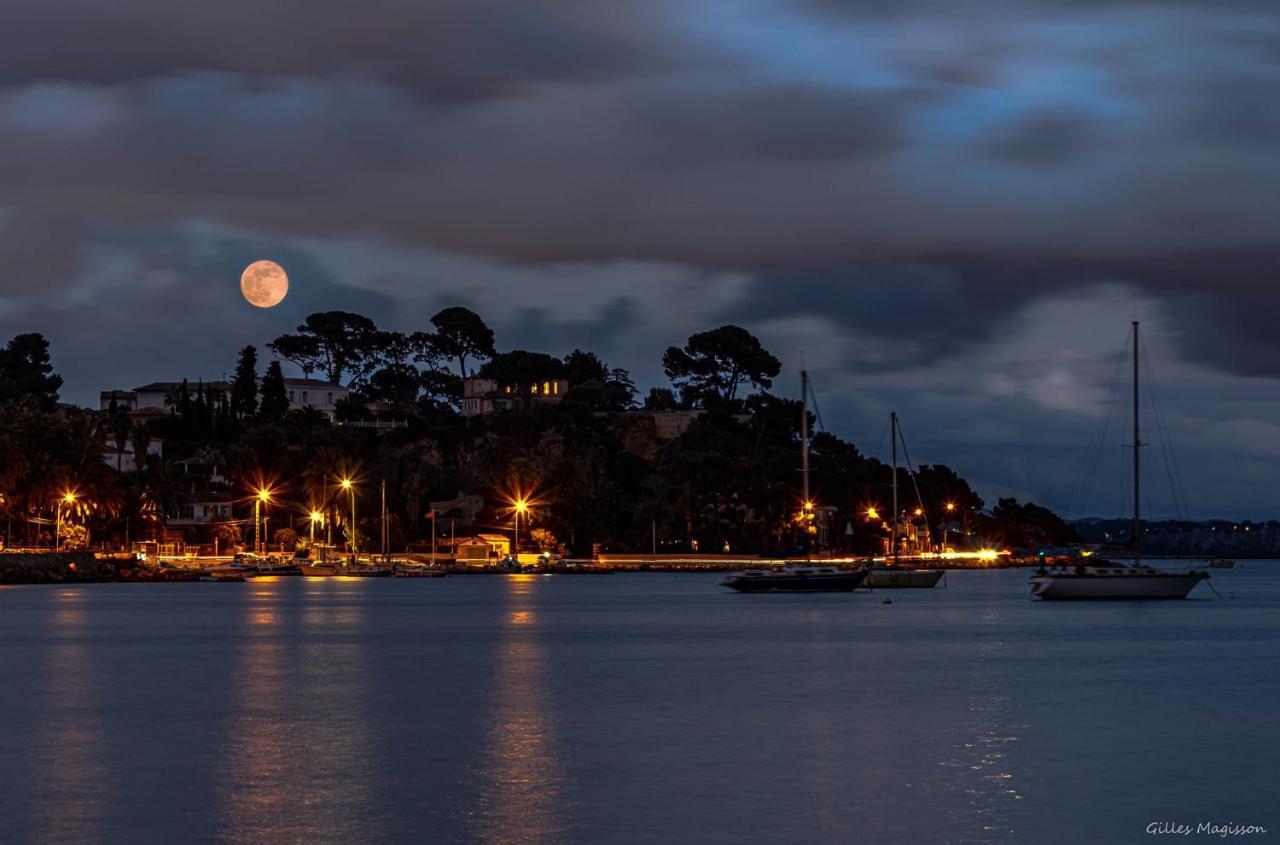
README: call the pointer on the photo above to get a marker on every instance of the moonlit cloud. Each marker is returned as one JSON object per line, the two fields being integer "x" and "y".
{"x": 953, "y": 208}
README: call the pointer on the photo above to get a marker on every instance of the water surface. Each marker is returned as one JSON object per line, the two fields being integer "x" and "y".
{"x": 645, "y": 708}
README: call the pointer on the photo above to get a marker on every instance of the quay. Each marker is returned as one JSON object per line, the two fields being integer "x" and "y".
{"x": 41, "y": 567}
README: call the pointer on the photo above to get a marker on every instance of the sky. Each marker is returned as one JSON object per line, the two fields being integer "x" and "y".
{"x": 951, "y": 210}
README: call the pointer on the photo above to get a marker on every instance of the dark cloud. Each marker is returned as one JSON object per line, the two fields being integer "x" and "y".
{"x": 918, "y": 175}
{"x": 1040, "y": 139}
{"x": 457, "y": 49}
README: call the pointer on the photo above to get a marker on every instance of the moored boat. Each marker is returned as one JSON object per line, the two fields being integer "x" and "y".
{"x": 364, "y": 570}
{"x": 797, "y": 578}
{"x": 1104, "y": 579}
{"x": 902, "y": 577}
{"x": 318, "y": 570}
{"x": 1112, "y": 580}
{"x": 418, "y": 570}
{"x": 1221, "y": 563}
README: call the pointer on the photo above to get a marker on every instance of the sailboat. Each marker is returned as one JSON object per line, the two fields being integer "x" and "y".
{"x": 1091, "y": 578}
{"x": 894, "y": 575}
{"x": 797, "y": 577}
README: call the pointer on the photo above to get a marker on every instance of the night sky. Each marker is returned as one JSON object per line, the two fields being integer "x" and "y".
{"x": 954, "y": 209}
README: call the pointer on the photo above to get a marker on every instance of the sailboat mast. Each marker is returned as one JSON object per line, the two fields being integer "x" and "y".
{"x": 1137, "y": 448}
{"x": 893, "y": 436}
{"x": 804, "y": 435}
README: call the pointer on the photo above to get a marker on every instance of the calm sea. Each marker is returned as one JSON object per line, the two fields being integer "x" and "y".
{"x": 643, "y": 708}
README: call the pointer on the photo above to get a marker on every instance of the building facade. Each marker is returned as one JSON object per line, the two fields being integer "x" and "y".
{"x": 159, "y": 397}
{"x": 486, "y": 396}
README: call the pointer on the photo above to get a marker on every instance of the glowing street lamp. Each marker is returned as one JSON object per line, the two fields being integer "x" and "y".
{"x": 68, "y": 498}
{"x": 316, "y": 516}
{"x": 872, "y": 513}
{"x": 346, "y": 484}
{"x": 263, "y": 498}
{"x": 518, "y": 507}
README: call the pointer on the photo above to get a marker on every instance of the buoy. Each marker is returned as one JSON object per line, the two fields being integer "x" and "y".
{"x": 887, "y": 600}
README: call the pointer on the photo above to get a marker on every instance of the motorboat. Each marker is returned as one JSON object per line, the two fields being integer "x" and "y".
{"x": 796, "y": 578}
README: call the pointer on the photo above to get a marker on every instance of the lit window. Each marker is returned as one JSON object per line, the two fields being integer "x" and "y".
{"x": 546, "y": 387}
{"x": 555, "y": 387}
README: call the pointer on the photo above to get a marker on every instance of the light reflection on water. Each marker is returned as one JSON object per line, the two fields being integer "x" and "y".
{"x": 519, "y": 774}
{"x": 298, "y": 756}
{"x": 67, "y": 743}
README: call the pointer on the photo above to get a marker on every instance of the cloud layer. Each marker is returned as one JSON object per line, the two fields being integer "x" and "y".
{"x": 910, "y": 179}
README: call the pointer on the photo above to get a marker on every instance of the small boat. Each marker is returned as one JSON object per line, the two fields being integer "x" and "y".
{"x": 1090, "y": 578}
{"x": 318, "y": 570}
{"x": 903, "y": 577}
{"x": 797, "y": 578}
{"x": 274, "y": 566}
{"x": 1221, "y": 563}
{"x": 418, "y": 570}
{"x": 1104, "y": 579}
{"x": 364, "y": 570}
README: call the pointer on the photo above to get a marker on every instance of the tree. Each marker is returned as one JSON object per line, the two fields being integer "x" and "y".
{"x": 121, "y": 426}
{"x": 713, "y": 365}
{"x": 244, "y": 389}
{"x": 582, "y": 366}
{"x": 275, "y": 398}
{"x": 661, "y": 399}
{"x": 461, "y": 334}
{"x": 27, "y": 374}
{"x": 337, "y": 343}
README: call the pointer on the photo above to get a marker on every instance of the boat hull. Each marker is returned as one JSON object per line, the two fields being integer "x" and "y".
{"x": 899, "y": 579}
{"x": 1132, "y": 587}
{"x": 318, "y": 570}
{"x": 842, "y": 582}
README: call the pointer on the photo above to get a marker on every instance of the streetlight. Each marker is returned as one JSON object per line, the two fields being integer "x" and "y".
{"x": 68, "y": 498}
{"x": 346, "y": 484}
{"x": 946, "y": 525}
{"x": 263, "y": 498}
{"x": 519, "y": 506}
{"x": 316, "y": 516}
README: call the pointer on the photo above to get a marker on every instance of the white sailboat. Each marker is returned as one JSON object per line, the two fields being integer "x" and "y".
{"x": 1091, "y": 578}
{"x": 896, "y": 575}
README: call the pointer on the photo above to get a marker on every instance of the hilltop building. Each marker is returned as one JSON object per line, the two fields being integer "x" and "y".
{"x": 157, "y": 398}
{"x": 482, "y": 396}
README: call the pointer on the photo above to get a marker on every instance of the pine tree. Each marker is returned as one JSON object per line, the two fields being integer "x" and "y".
{"x": 244, "y": 390}
{"x": 275, "y": 398}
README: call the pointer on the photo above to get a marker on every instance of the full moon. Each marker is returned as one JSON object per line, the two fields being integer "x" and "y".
{"x": 264, "y": 284}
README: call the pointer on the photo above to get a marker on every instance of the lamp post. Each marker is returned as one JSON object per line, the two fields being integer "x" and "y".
{"x": 946, "y": 526}
{"x": 263, "y": 497}
{"x": 519, "y": 507}
{"x": 316, "y": 516}
{"x": 350, "y": 488}
{"x": 68, "y": 498}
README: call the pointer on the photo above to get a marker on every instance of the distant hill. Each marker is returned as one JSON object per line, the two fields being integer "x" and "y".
{"x": 1210, "y": 538}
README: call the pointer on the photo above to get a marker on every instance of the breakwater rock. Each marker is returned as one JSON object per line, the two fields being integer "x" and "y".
{"x": 56, "y": 568}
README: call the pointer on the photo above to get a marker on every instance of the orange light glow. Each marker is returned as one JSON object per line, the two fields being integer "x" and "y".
{"x": 316, "y": 516}
{"x": 69, "y": 497}
{"x": 872, "y": 513}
